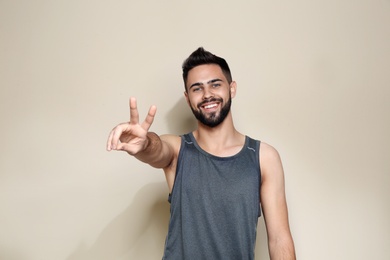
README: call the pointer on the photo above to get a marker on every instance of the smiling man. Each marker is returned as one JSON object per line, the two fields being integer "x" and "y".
{"x": 217, "y": 177}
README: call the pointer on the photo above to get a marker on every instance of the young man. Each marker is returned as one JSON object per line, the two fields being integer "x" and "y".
{"x": 217, "y": 177}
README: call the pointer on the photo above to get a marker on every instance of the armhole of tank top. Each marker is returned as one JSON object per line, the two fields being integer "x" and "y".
{"x": 184, "y": 138}
{"x": 259, "y": 166}
{"x": 258, "y": 157}
{"x": 256, "y": 145}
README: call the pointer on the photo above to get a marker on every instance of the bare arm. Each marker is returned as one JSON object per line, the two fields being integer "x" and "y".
{"x": 134, "y": 138}
{"x": 273, "y": 199}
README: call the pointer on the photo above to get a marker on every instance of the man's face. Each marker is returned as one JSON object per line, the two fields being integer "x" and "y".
{"x": 209, "y": 94}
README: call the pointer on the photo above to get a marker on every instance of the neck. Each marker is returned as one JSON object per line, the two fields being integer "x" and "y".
{"x": 223, "y": 140}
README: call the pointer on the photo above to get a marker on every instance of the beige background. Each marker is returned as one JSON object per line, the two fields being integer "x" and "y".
{"x": 313, "y": 80}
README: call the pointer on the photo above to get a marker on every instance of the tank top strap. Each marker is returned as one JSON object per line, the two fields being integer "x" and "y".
{"x": 187, "y": 138}
{"x": 253, "y": 144}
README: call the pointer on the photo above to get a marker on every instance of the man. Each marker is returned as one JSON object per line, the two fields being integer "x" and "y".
{"x": 217, "y": 177}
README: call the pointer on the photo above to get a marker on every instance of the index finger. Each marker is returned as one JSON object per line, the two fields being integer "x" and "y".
{"x": 134, "y": 116}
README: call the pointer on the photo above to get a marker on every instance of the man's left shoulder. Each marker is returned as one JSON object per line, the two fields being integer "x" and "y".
{"x": 269, "y": 156}
{"x": 268, "y": 150}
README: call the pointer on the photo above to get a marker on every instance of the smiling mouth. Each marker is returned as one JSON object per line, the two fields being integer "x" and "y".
{"x": 210, "y": 106}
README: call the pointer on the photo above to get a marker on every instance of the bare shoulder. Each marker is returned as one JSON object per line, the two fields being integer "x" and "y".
{"x": 173, "y": 141}
{"x": 270, "y": 161}
{"x": 268, "y": 152}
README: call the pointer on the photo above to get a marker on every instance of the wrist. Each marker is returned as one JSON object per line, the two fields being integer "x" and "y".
{"x": 150, "y": 141}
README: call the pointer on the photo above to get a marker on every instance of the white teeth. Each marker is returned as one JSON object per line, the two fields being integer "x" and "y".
{"x": 210, "y": 106}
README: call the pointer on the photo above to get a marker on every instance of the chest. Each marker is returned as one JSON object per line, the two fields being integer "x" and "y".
{"x": 224, "y": 181}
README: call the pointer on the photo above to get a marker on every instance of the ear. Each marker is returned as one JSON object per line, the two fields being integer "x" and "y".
{"x": 233, "y": 89}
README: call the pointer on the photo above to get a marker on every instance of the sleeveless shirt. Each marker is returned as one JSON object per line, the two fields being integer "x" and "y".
{"x": 215, "y": 204}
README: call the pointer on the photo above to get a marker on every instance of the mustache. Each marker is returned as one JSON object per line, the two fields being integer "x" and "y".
{"x": 209, "y": 100}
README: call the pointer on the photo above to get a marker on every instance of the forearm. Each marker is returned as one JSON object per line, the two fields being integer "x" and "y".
{"x": 282, "y": 249}
{"x": 156, "y": 152}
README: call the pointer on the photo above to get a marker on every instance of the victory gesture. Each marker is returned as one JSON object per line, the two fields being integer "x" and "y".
{"x": 131, "y": 136}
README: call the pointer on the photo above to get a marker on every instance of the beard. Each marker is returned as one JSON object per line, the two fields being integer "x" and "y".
{"x": 215, "y": 118}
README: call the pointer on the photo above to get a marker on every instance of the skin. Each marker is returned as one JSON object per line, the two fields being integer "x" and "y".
{"x": 207, "y": 83}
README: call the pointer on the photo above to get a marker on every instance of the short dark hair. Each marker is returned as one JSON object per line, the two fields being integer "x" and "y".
{"x": 201, "y": 57}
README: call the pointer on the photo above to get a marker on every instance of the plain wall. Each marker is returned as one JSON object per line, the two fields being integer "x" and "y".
{"x": 313, "y": 81}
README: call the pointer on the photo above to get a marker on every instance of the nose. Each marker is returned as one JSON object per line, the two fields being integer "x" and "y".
{"x": 208, "y": 93}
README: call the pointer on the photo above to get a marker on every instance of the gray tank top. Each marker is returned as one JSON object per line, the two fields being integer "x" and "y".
{"x": 215, "y": 204}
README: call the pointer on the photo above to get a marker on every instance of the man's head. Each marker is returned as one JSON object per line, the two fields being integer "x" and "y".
{"x": 209, "y": 88}
{"x": 202, "y": 57}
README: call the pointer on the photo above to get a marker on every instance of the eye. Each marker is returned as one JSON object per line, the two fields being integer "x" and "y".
{"x": 196, "y": 89}
{"x": 216, "y": 85}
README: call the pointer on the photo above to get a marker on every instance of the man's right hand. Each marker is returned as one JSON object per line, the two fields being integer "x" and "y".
{"x": 131, "y": 136}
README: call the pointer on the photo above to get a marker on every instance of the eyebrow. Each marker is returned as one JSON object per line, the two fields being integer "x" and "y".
{"x": 208, "y": 82}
